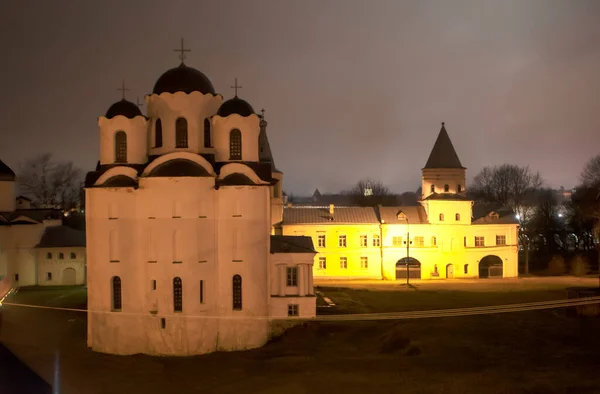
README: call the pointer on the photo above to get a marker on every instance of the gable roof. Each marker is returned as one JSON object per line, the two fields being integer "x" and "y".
{"x": 414, "y": 214}
{"x": 443, "y": 154}
{"x": 36, "y": 214}
{"x": 499, "y": 216}
{"x": 447, "y": 196}
{"x": 61, "y": 236}
{"x": 317, "y": 215}
{"x": 291, "y": 244}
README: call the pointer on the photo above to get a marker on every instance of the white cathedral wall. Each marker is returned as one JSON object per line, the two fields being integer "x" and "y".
{"x": 7, "y": 196}
{"x": 194, "y": 107}
{"x": 19, "y": 255}
{"x": 249, "y": 128}
{"x": 136, "y": 138}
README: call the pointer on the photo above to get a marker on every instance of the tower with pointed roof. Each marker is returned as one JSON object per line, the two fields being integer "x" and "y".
{"x": 7, "y": 188}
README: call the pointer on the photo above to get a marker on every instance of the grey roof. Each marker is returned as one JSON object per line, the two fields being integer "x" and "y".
{"x": 62, "y": 236}
{"x": 264, "y": 148}
{"x": 443, "y": 154}
{"x": 315, "y": 215}
{"x": 291, "y": 244}
{"x": 447, "y": 196}
{"x": 6, "y": 173}
{"x": 36, "y": 214}
{"x": 414, "y": 214}
{"x": 504, "y": 216}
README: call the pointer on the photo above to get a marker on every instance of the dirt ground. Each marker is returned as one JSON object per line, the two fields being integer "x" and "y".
{"x": 525, "y": 352}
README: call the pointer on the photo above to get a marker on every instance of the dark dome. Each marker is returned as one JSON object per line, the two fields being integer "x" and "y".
{"x": 235, "y": 106}
{"x": 183, "y": 79}
{"x": 6, "y": 174}
{"x": 125, "y": 108}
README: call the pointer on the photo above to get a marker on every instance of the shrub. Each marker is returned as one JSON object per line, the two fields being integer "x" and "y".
{"x": 579, "y": 266}
{"x": 557, "y": 265}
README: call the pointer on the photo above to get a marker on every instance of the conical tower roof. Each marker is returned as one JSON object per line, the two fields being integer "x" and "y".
{"x": 443, "y": 154}
{"x": 6, "y": 173}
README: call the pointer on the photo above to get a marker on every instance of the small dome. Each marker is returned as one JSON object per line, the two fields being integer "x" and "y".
{"x": 125, "y": 108}
{"x": 235, "y": 106}
{"x": 183, "y": 79}
{"x": 6, "y": 174}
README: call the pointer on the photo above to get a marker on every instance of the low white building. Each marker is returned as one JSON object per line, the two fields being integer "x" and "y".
{"x": 181, "y": 260}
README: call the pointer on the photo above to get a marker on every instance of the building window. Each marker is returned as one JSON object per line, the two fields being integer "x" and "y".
{"x": 293, "y": 310}
{"x": 479, "y": 241}
{"x": 500, "y": 239}
{"x": 48, "y": 256}
{"x": 343, "y": 263}
{"x": 376, "y": 240}
{"x": 322, "y": 263}
{"x": 153, "y": 284}
{"x": 364, "y": 263}
{"x": 446, "y": 188}
{"x": 61, "y": 256}
{"x": 120, "y": 147}
{"x": 433, "y": 241}
{"x": 163, "y": 323}
{"x": 292, "y": 276}
{"x": 73, "y": 256}
{"x": 321, "y": 240}
{"x": 397, "y": 241}
{"x": 158, "y": 134}
{"x": 16, "y": 276}
{"x": 342, "y": 241}
{"x": 202, "y": 292}
{"x": 48, "y": 275}
{"x": 432, "y": 188}
{"x": 457, "y": 217}
{"x": 419, "y": 241}
{"x": 177, "y": 295}
{"x": 458, "y": 188}
{"x": 466, "y": 268}
{"x": 435, "y": 270}
{"x": 237, "y": 292}
{"x": 181, "y": 133}
{"x": 363, "y": 241}
{"x": 465, "y": 242}
{"x": 116, "y": 293}
{"x": 235, "y": 145}
{"x": 207, "y": 133}
{"x": 441, "y": 217}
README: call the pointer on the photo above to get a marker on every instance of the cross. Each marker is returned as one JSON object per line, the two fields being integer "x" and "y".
{"x": 137, "y": 102}
{"x": 182, "y": 50}
{"x": 123, "y": 89}
{"x": 236, "y": 87}
{"x": 262, "y": 113}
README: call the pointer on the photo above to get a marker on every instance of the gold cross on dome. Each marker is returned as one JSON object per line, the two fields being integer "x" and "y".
{"x": 236, "y": 87}
{"x": 123, "y": 89}
{"x": 182, "y": 51}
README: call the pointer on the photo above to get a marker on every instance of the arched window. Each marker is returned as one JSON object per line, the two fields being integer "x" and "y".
{"x": 457, "y": 217}
{"x": 458, "y": 188}
{"x": 73, "y": 256}
{"x": 446, "y": 188}
{"x": 235, "y": 145}
{"x": 441, "y": 217}
{"x": 432, "y": 188}
{"x": 207, "y": 133}
{"x": 49, "y": 256}
{"x": 435, "y": 269}
{"x": 158, "y": 134}
{"x": 466, "y": 268}
{"x": 120, "y": 147}
{"x": 116, "y": 293}
{"x": 181, "y": 133}
{"x": 61, "y": 256}
{"x": 237, "y": 292}
{"x": 177, "y": 295}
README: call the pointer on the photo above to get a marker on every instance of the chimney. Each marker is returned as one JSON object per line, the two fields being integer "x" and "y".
{"x": 331, "y": 210}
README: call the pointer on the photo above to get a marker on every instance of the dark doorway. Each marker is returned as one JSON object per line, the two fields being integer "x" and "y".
{"x": 413, "y": 268}
{"x": 491, "y": 267}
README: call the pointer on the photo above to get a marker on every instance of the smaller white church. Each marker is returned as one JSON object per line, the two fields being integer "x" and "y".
{"x": 181, "y": 259}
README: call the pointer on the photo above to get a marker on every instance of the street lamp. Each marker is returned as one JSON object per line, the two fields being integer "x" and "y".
{"x": 407, "y": 251}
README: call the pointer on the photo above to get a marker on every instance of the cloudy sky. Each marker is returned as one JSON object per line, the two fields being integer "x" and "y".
{"x": 352, "y": 89}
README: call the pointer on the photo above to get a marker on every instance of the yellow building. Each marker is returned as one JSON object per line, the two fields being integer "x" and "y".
{"x": 445, "y": 240}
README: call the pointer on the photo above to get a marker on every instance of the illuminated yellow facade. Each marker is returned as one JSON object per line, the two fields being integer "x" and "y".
{"x": 445, "y": 240}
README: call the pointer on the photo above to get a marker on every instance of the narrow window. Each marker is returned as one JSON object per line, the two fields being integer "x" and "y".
{"x": 376, "y": 240}
{"x": 446, "y": 188}
{"x": 237, "y": 292}
{"x": 342, "y": 241}
{"x": 49, "y": 256}
{"x": 293, "y": 310}
{"x": 364, "y": 263}
{"x": 73, "y": 256}
{"x": 177, "y": 295}
{"x": 116, "y": 293}
{"x": 163, "y": 323}
{"x": 321, "y": 241}
{"x": 457, "y": 217}
{"x": 441, "y": 217}
{"x": 158, "y": 134}
{"x": 432, "y": 188}
{"x": 292, "y": 276}
{"x": 181, "y": 133}
{"x": 207, "y": 133}
{"x": 322, "y": 263}
{"x": 113, "y": 246}
{"x": 458, "y": 188}
{"x": 201, "y": 291}
{"x": 61, "y": 256}
{"x": 235, "y": 145}
{"x": 120, "y": 147}
{"x": 48, "y": 275}
{"x": 363, "y": 241}
{"x": 16, "y": 277}
{"x": 435, "y": 270}
{"x": 343, "y": 263}
{"x": 433, "y": 241}
{"x": 466, "y": 268}
{"x": 153, "y": 284}
{"x": 465, "y": 242}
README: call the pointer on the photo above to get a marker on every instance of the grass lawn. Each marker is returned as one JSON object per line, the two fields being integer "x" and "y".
{"x": 524, "y": 352}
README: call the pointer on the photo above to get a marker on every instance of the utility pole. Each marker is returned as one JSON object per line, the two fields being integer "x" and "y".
{"x": 407, "y": 252}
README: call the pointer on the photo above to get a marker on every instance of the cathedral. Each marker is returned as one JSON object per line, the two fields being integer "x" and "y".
{"x": 181, "y": 259}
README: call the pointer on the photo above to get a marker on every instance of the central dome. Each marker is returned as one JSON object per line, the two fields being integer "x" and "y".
{"x": 183, "y": 79}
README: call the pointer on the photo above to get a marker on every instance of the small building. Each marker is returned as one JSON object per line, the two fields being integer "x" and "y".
{"x": 61, "y": 257}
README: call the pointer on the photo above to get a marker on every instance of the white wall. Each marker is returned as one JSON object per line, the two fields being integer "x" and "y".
{"x": 248, "y": 126}
{"x": 18, "y": 254}
{"x": 136, "y": 138}
{"x": 7, "y": 196}
{"x": 57, "y": 266}
{"x": 443, "y": 176}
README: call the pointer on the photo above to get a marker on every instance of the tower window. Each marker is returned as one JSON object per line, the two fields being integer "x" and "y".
{"x": 49, "y": 256}
{"x": 61, "y": 256}
{"x": 120, "y": 147}
{"x": 446, "y": 188}
{"x": 458, "y": 188}
{"x": 432, "y": 188}
{"x": 235, "y": 145}
{"x": 73, "y": 256}
{"x": 457, "y": 217}
{"x": 237, "y": 293}
{"x": 181, "y": 133}
{"x": 207, "y": 133}
{"x": 116, "y": 293}
{"x": 177, "y": 295}
{"x": 441, "y": 217}
{"x": 158, "y": 134}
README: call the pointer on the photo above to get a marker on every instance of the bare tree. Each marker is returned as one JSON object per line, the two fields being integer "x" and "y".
{"x": 546, "y": 221}
{"x": 368, "y": 192}
{"x": 589, "y": 200}
{"x": 590, "y": 176}
{"x": 50, "y": 184}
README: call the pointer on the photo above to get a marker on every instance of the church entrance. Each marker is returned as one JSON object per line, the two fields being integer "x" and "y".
{"x": 408, "y": 267}
{"x": 490, "y": 267}
{"x": 68, "y": 277}
{"x": 449, "y": 271}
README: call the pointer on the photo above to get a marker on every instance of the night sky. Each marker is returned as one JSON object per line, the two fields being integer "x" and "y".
{"x": 352, "y": 89}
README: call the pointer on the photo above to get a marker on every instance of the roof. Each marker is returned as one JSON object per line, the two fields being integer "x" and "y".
{"x": 35, "y": 214}
{"x": 235, "y": 106}
{"x": 414, "y": 214}
{"x": 264, "y": 148}
{"x": 497, "y": 217}
{"x": 21, "y": 197}
{"x": 443, "y": 154}
{"x": 315, "y": 215}
{"x": 6, "y": 173}
{"x": 183, "y": 79}
{"x": 447, "y": 196}
{"x": 291, "y": 244}
{"x": 125, "y": 108}
{"x": 62, "y": 236}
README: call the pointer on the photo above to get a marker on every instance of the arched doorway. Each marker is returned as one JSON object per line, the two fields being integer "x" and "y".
{"x": 490, "y": 267}
{"x": 449, "y": 271}
{"x": 412, "y": 269}
{"x": 68, "y": 277}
